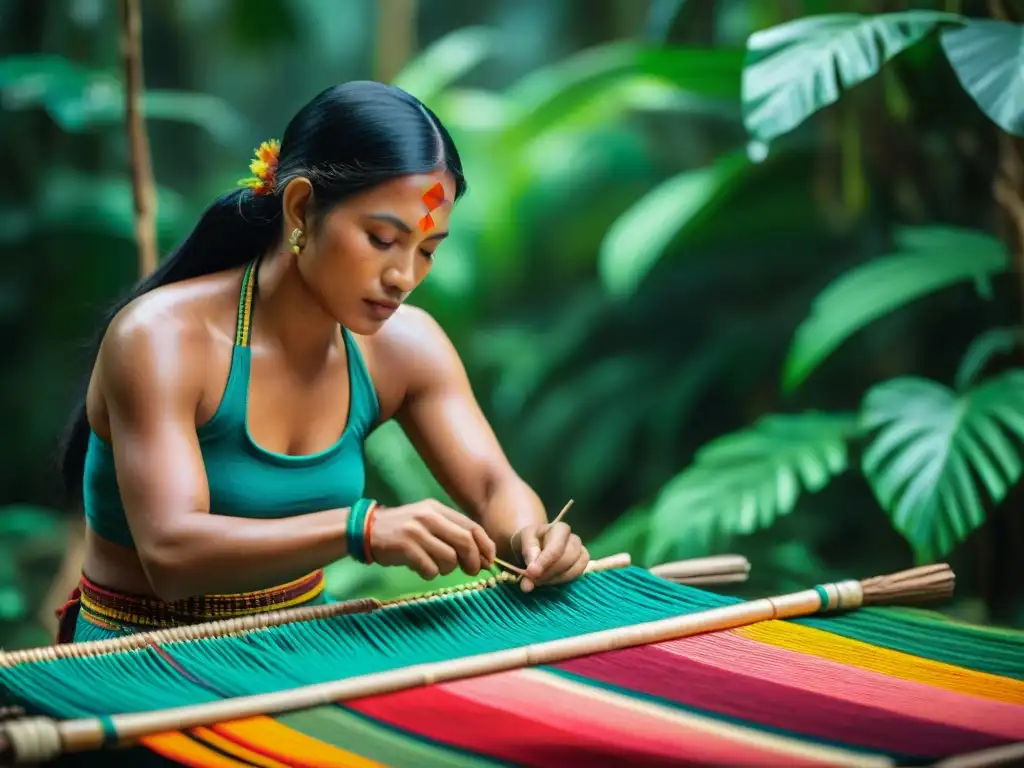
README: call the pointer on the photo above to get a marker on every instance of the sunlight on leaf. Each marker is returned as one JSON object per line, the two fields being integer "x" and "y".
{"x": 995, "y": 341}
{"x": 988, "y": 58}
{"x": 927, "y": 260}
{"x": 797, "y": 68}
{"x": 934, "y": 452}
{"x": 744, "y": 481}
{"x": 639, "y": 237}
{"x": 445, "y": 61}
{"x": 79, "y": 99}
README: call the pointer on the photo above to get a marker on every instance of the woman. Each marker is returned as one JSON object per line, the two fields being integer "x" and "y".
{"x": 218, "y": 449}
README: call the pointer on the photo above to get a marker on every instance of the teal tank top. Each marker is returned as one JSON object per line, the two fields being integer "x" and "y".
{"x": 246, "y": 480}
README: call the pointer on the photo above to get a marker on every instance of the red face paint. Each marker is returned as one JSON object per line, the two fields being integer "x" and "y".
{"x": 432, "y": 198}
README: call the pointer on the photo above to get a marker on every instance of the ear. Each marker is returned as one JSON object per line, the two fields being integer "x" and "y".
{"x": 294, "y": 201}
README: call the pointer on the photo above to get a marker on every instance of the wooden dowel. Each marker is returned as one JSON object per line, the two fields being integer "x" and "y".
{"x": 565, "y": 510}
{"x": 510, "y": 567}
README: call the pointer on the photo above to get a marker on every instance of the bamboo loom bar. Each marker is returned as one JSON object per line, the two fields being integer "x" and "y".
{"x": 703, "y": 571}
{"x": 42, "y": 738}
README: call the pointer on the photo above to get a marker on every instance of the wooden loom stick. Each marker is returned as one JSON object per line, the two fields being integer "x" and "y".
{"x": 565, "y": 510}
{"x": 37, "y": 739}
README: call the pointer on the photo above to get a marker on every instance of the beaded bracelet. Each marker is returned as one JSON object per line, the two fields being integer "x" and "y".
{"x": 358, "y": 529}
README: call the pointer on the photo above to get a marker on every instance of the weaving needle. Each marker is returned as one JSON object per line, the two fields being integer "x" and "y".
{"x": 519, "y": 571}
{"x": 560, "y": 515}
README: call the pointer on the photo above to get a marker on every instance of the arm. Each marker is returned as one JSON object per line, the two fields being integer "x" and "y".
{"x": 444, "y": 421}
{"x": 149, "y": 378}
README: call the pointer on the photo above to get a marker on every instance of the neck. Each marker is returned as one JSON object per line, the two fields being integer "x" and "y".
{"x": 287, "y": 315}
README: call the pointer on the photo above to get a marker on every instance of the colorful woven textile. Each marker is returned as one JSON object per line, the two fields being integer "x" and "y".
{"x": 778, "y": 693}
{"x": 873, "y": 687}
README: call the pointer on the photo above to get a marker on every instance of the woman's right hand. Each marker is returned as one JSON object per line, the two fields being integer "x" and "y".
{"x": 429, "y": 538}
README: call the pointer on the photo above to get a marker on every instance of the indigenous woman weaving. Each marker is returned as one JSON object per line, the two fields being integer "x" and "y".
{"x": 218, "y": 450}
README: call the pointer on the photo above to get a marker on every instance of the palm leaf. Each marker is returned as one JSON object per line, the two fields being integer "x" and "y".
{"x": 927, "y": 260}
{"x": 746, "y": 480}
{"x": 638, "y": 238}
{"x": 934, "y": 448}
{"x": 445, "y": 61}
{"x": 797, "y": 68}
{"x": 988, "y": 58}
{"x": 994, "y": 341}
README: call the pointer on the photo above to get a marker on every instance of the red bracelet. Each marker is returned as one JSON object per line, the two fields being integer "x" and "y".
{"x": 367, "y": 549}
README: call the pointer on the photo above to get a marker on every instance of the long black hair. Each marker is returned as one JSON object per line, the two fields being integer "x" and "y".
{"x": 348, "y": 139}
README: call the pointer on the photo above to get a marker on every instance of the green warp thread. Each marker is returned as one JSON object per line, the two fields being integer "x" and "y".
{"x": 463, "y": 624}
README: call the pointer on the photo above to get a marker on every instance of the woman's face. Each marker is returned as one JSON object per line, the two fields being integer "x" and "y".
{"x": 368, "y": 254}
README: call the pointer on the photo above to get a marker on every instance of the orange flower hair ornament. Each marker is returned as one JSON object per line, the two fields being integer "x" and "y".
{"x": 264, "y": 168}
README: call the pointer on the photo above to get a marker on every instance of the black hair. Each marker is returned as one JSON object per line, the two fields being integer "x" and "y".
{"x": 348, "y": 139}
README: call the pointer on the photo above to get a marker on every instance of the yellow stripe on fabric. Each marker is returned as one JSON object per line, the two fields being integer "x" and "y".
{"x": 246, "y": 319}
{"x": 98, "y": 611}
{"x": 272, "y": 739}
{"x": 214, "y": 739}
{"x": 844, "y": 650}
{"x": 181, "y": 749}
{"x": 739, "y": 735}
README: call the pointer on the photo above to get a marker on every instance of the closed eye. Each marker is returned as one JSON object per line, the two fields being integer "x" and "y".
{"x": 376, "y": 242}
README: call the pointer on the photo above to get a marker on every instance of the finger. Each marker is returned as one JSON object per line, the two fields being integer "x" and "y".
{"x": 418, "y": 560}
{"x": 443, "y": 555}
{"x": 571, "y": 553}
{"x": 555, "y": 539}
{"x": 485, "y": 544}
{"x": 575, "y": 570}
{"x": 529, "y": 545}
{"x": 459, "y": 539}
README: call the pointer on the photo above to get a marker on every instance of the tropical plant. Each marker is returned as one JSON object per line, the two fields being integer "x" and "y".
{"x": 930, "y": 454}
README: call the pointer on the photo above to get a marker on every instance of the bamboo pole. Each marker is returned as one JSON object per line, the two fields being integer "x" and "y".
{"x": 41, "y": 738}
{"x": 144, "y": 203}
{"x": 143, "y": 186}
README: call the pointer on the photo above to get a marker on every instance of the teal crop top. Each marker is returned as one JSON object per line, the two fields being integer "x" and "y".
{"x": 246, "y": 480}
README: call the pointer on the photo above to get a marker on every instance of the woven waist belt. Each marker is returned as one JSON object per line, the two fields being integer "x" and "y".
{"x": 147, "y": 611}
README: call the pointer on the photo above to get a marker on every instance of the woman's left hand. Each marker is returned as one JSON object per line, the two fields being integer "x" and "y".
{"x": 553, "y": 554}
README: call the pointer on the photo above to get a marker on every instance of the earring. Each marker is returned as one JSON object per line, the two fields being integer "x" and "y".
{"x": 294, "y": 241}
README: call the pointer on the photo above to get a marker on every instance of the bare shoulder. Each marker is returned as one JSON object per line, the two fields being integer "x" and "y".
{"x": 409, "y": 355}
{"x": 162, "y": 340}
{"x": 412, "y": 341}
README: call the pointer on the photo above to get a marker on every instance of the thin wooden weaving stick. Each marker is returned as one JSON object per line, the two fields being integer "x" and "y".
{"x": 521, "y": 571}
{"x": 38, "y": 739}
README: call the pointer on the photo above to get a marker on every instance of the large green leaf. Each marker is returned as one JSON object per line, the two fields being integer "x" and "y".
{"x": 927, "y": 260}
{"x": 445, "y": 61}
{"x": 80, "y": 99}
{"x": 988, "y": 58}
{"x": 744, "y": 481}
{"x": 797, "y": 68}
{"x": 994, "y": 341}
{"x": 549, "y": 97}
{"x": 935, "y": 450}
{"x": 637, "y": 239}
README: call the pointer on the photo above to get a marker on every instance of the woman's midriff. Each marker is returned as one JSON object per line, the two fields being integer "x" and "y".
{"x": 114, "y": 566}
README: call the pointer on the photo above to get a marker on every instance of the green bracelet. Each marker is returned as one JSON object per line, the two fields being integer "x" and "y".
{"x": 356, "y": 528}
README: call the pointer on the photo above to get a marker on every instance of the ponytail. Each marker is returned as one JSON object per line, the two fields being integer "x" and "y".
{"x": 235, "y": 229}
